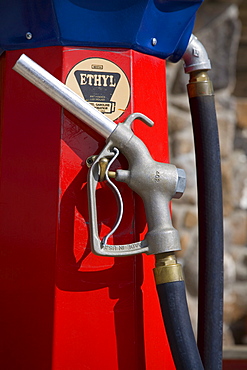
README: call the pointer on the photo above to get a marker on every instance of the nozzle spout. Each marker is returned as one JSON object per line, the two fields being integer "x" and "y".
{"x": 64, "y": 96}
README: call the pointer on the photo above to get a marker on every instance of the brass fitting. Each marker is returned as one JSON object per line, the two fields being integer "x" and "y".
{"x": 167, "y": 269}
{"x": 199, "y": 84}
{"x": 103, "y": 163}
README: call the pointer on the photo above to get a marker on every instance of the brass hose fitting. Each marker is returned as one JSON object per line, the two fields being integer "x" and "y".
{"x": 167, "y": 269}
{"x": 197, "y": 63}
{"x": 199, "y": 84}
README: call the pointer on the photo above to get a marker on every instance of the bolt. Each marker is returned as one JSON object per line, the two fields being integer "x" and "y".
{"x": 90, "y": 160}
{"x": 181, "y": 184}
{"x": 196, "y": 52}
{"x": 154, "y": 41}
{"x": 29, "y": 36}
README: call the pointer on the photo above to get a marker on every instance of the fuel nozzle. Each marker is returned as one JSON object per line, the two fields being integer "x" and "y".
{"x": 155, "y": 182}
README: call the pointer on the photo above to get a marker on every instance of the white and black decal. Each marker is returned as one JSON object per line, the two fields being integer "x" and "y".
{"x": 103, "y": 84}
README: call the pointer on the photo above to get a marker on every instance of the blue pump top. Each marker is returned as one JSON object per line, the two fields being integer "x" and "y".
{"x": 156, "y": 27}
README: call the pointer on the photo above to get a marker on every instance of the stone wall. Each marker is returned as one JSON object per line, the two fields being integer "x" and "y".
{"x": 219, "y": 29}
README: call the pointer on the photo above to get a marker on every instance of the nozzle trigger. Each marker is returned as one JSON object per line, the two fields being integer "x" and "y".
{"x": 100, "y": 247}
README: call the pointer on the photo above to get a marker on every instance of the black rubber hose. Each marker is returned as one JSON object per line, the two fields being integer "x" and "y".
{"x": 209, "y": 184}
{"x": 178, "y": 326}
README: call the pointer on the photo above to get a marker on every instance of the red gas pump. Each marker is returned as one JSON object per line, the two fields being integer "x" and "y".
{"x": 64, "y": 307}
{"x": 93, "y": 316}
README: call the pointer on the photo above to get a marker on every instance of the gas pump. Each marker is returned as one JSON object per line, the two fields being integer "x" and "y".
{"x": 65, "y": 307}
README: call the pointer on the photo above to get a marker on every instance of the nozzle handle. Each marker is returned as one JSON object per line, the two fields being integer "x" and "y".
{"x": 98, "y": 246}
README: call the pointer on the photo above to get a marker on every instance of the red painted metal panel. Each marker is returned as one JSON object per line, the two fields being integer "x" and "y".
{"x": 99, "y": 312}
{"x": 30, "y": 142}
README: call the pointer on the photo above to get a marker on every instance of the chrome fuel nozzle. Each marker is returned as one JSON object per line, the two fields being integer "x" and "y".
{"x": 155, "y": 182}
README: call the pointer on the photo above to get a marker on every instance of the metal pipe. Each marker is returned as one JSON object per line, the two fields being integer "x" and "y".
{"x": 64, "y": 96}
{"x": 195, "y": 57}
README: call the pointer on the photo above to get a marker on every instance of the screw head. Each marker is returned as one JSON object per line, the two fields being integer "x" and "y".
{"x": 154, "y": 41}
{"x": 29, "y": 36}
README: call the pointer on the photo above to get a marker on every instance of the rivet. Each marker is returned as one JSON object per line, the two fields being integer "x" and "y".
{"x": 29, "y": 36}
{"x": 154, "y": 41}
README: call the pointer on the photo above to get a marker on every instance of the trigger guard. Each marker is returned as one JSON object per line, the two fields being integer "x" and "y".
{"x": 124, "y": 249}
{"x": 97, "y": 246}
